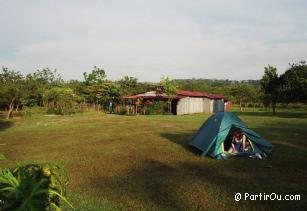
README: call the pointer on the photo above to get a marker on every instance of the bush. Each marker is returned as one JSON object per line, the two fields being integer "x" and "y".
{"x": 28, "y": 112}
{"x": 52, "y": 110}
{"x": 60, "y": 101}
{"x": 33, "y": 187}
{"x": 2, "y": 157}
{"x": 157, "y": 107}
{"x": 121, "y": 110}
{"x": 294, "y": 105}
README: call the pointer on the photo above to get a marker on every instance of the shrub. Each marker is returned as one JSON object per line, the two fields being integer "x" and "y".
{"x": 33, "y": 187}
{"x": 2, "y": 157}
{"x": 60, "y": 100}
{"x": 157, "y": 107}
{"x": 51, "y": 110}
{"x": 121, "y": 110}
{"x": 28, "y": 111}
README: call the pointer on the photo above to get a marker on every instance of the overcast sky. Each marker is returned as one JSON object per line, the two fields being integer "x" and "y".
{"x": 149, "y": 39}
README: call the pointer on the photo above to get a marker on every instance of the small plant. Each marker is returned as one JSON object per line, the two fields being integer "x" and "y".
{"x": 33, "y": 187}
{"x": 28, "y": 112}
{"x": 121, "y": 110}
{"x": 2, "y": 157}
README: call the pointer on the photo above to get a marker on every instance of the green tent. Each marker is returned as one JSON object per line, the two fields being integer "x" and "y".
{"x": 214, "y": 136}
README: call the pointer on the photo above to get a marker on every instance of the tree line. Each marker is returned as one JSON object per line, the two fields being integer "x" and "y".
{"x": 270, "y": 90}
{"x": 288, "y": 87}
{"x": 45, "y": 88}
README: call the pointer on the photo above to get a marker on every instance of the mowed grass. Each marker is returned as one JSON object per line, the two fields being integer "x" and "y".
{"x": 143, "y": 162}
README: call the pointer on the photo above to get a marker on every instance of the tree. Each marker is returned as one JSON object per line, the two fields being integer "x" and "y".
{"x": 47, "y": 77}
{"x": 128, "y": 85}
{"x": 293, "y": 83}
{"x": 270, "y": 86}
{"x": 11, "y": 89}
{"x": 169, "y": 88}
{"x": 39, "y": 81}
{"x": 254, "y": 95}
{"x": 32, "y": 92}
{"x": 60, "y": 100}
{"x": 101, "y": 94}
{"x": 95, "y": 77}
{"x": 241, "y": 94}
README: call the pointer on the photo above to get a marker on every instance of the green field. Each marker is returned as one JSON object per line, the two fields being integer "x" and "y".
{"x": 143, "y": 162}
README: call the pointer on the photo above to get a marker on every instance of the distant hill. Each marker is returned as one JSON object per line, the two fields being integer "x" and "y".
{"x": 215, "y": 82}
{"x": 217, "y": 86}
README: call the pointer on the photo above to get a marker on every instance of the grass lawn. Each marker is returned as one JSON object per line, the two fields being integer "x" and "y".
{"x": 143, "y": 162}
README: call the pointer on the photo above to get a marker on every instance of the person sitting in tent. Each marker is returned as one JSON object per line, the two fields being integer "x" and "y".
{"x": 214, "y": 138}
{"x": 238, "y": 143}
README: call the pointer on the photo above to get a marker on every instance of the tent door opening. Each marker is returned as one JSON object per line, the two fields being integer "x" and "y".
{"x": 249, "y": 146}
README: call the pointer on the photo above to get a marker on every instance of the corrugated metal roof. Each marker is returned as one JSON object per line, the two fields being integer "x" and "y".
{"x": 199, "y": 94}
{"x": 180, "y": 94}
{"x": 151, "y": 95}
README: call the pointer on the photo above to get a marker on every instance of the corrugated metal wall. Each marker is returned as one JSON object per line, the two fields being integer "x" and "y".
{"x": 208, "y": 108}
{"x": 218, "y": 105}
{"x": 192, "y": 105}
{"x": 189, "y": 105}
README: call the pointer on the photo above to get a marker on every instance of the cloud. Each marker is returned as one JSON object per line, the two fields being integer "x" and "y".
{"x": 148, "y": 39}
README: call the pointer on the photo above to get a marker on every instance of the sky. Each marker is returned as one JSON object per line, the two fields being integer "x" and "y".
{"x": 219, "y": 39}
